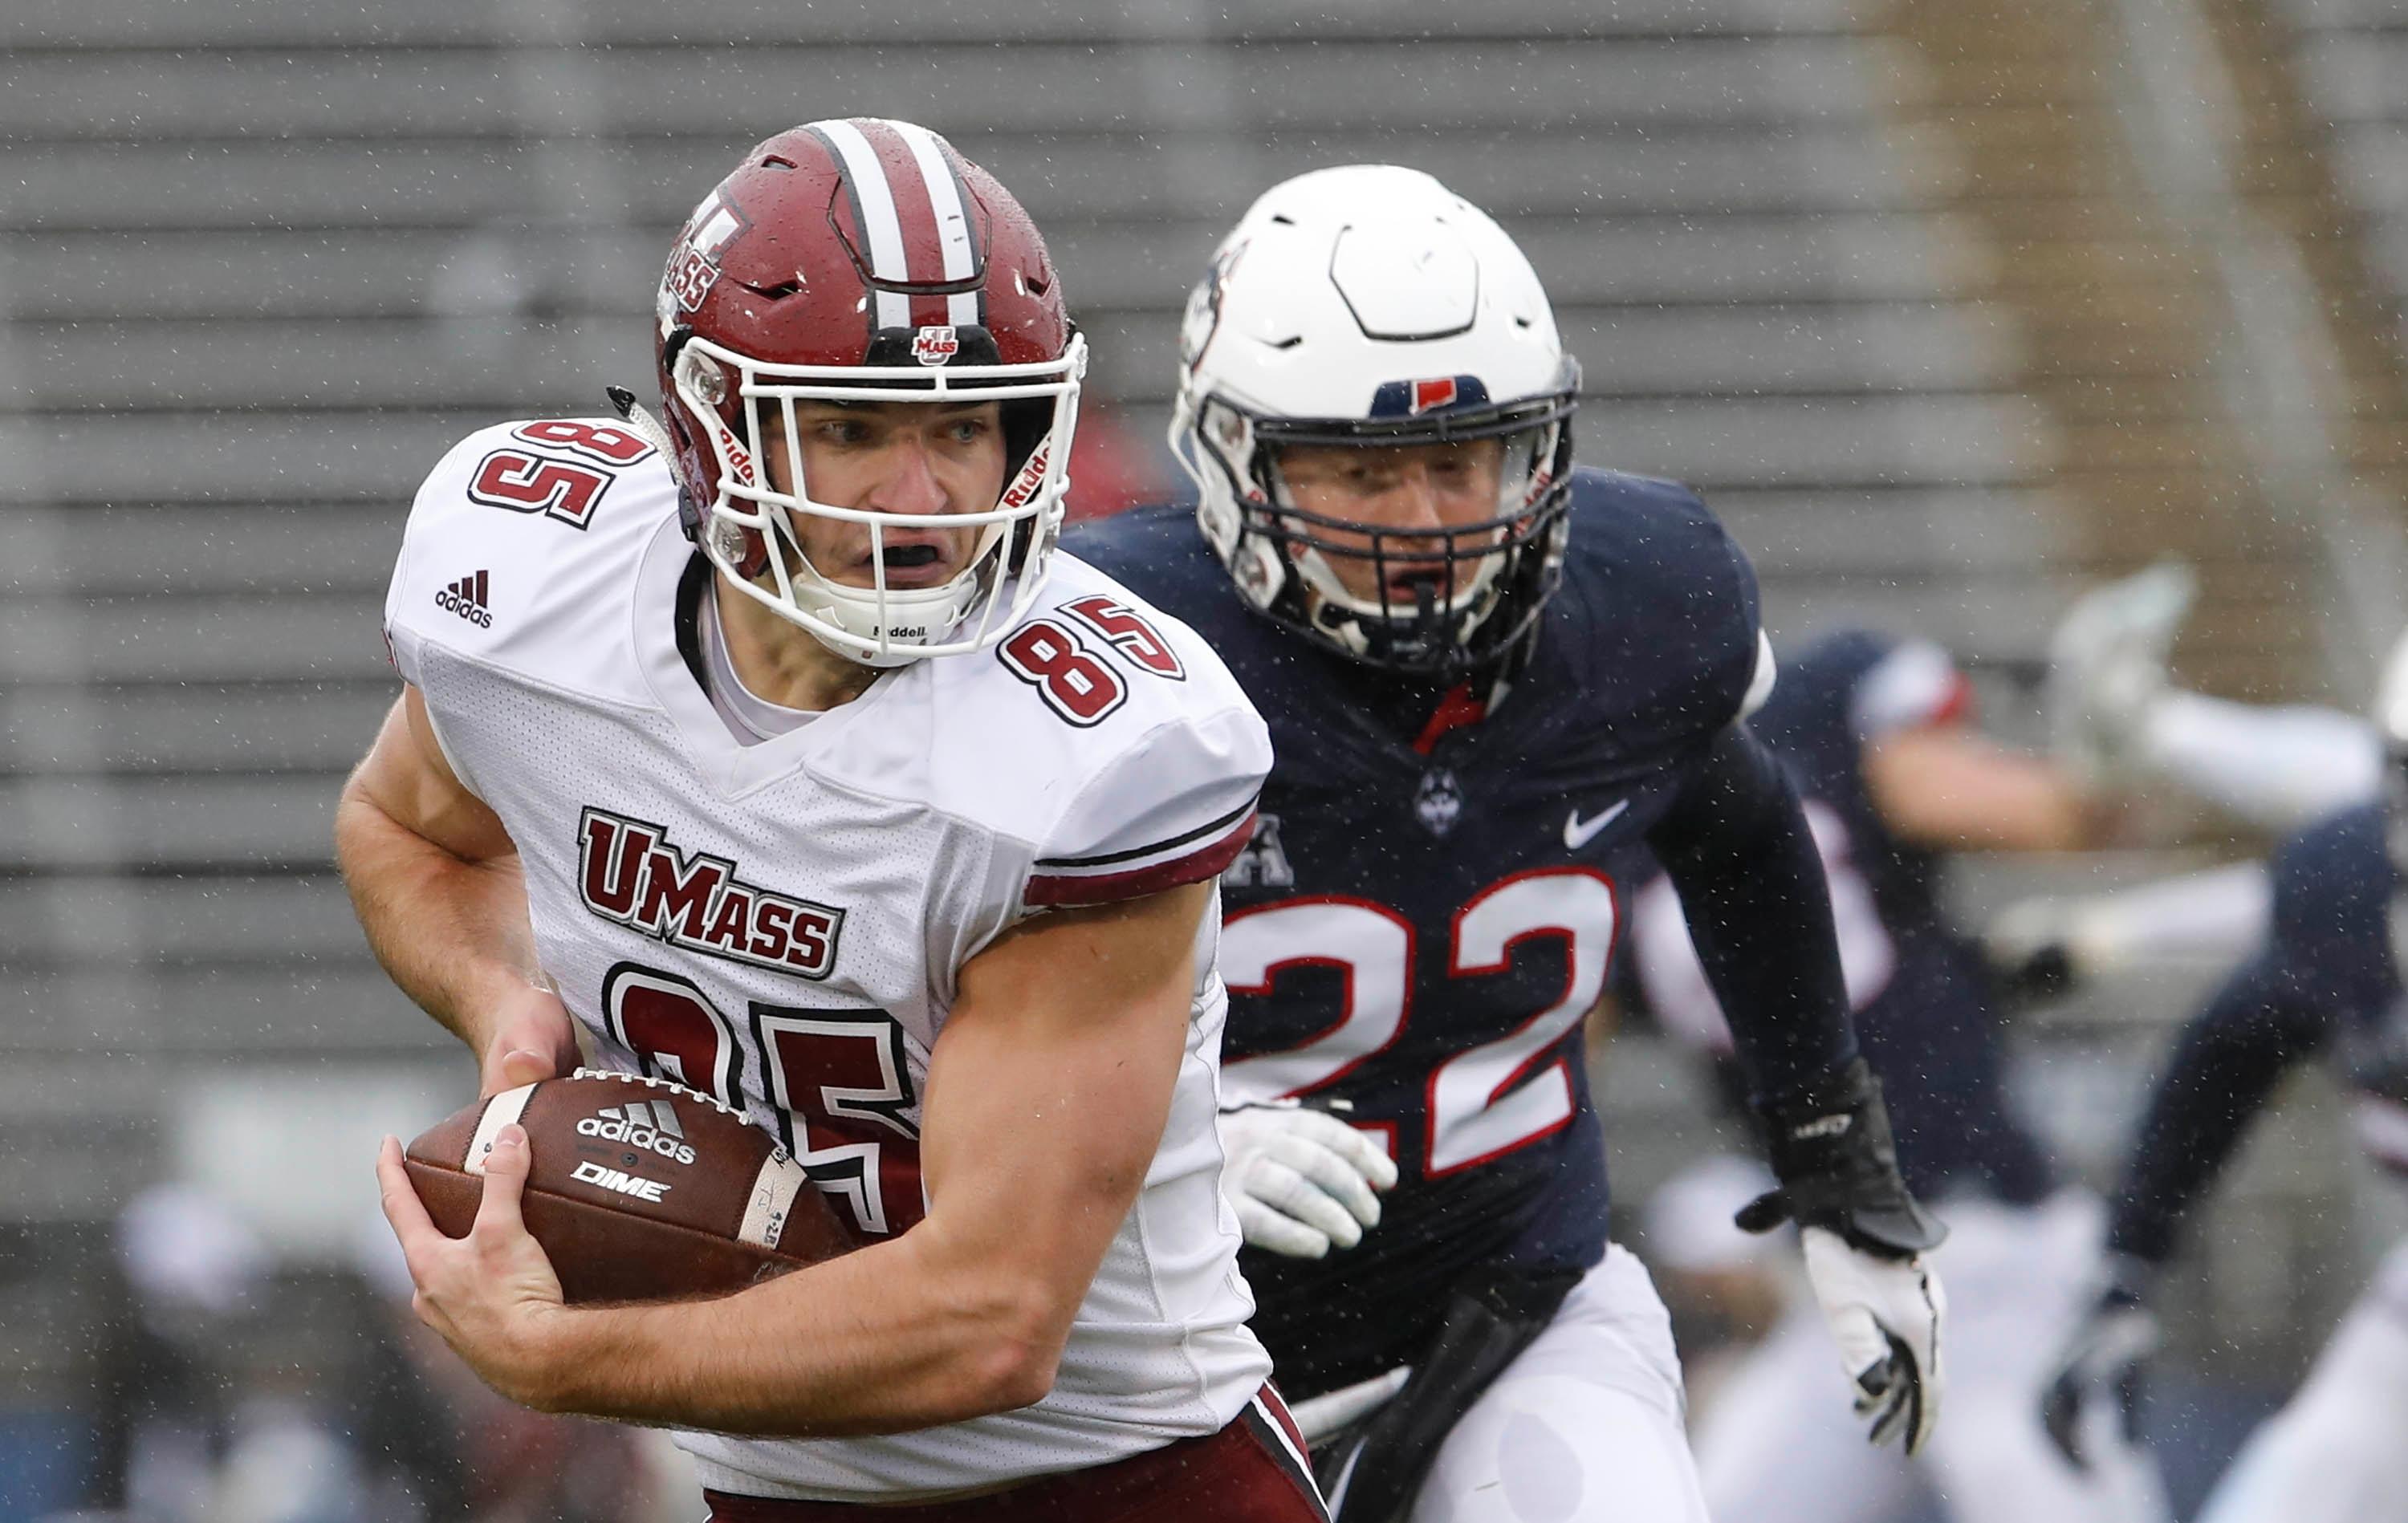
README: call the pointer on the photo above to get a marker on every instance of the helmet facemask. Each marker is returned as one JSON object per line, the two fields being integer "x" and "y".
{"x": 750, "y": 528}
{"x": 1485, "y": 581}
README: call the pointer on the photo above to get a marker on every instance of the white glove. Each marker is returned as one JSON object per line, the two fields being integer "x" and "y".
{"x": 1885, "y": 1313}
{"x": 1302, "y": 1181}
{"x": 2107, "y": 666}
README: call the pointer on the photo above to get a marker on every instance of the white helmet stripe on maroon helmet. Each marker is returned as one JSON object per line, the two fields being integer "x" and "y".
{"x": 864, "y": 175}
{"x": 919, "y": 235}
{"x": 953, "y": 219}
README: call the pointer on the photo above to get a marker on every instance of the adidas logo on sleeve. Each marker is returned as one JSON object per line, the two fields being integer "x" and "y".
{"x": 646, "y": 1125}
{"x": 467, "y": 597}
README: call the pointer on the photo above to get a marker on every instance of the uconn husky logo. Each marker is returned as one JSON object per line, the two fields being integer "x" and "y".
{"x": 1438, "y": 801}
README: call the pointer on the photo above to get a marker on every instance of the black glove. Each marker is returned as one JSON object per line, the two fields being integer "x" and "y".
{"x": 1863, "y": 1237}
{"x": 1831, "y": 1149}
{"x": 2106, "y": 1357}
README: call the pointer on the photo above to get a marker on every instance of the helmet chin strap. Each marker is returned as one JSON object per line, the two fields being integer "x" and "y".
{"x": 624, "y": 403}
{"x": 692, "y": 517}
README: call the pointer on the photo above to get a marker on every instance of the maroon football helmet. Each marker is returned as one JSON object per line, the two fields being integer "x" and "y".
{"x": 865, "y": 260}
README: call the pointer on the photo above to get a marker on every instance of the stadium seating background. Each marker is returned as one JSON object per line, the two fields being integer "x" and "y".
{"x": 261, "y": 260}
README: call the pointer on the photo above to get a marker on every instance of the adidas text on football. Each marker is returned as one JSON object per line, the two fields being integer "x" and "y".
{"x": 648, "y": 1126}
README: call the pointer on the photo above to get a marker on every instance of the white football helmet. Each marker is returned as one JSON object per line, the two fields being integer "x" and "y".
{"x": 1370, "y": 304}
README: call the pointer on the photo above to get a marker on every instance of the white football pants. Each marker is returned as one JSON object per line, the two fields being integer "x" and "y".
{"x": 2338, "y": 1451}
{"x": 1584, "y": 1426}
{"x": 1782, "y": 1445}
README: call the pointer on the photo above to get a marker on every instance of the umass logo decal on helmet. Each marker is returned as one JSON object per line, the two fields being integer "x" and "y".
{"x": 693, "y": 260}
{"x": 934, "y": 346}
{"x": 1431, "y": 393}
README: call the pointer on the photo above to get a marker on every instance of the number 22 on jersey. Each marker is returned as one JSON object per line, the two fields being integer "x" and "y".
{"x": 1486, "y": 1100}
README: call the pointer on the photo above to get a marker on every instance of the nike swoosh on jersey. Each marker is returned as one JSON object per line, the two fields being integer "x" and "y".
{"x": 1579, "y": 833}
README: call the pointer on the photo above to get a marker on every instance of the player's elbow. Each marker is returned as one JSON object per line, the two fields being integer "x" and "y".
{"x": 994, "y": 1374}
{"x": 1020, "y": 1377}
{"x": 1017, "y": 1350}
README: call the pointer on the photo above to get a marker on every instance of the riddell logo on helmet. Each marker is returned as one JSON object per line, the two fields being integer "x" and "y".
{"x": 648, "y": 1126}
{"x": 1025, "y": 486}
{"x": 1439, "y": 391}
{"x": 740, "y": 460}
{"x": 934, "y": 345}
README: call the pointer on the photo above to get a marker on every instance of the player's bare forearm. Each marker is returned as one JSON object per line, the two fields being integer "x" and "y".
{"x": 886, "y": 1339}
{"x": 434, "y": 881}
{"x": 1952, "y": 788}
{"x": 1048, "y": 1093}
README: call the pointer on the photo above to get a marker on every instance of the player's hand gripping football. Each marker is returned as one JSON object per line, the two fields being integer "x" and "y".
{"x": 532, "y": 1038}
{"x": 1864, "y": 1239}
{"x": 490, "y": 1293}
{"x": 1301, "y": 1180}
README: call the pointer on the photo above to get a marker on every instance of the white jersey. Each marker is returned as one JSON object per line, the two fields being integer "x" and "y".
{"x": 783, "y": 924}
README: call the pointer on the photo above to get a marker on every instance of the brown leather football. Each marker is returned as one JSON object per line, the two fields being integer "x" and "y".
{"x": 638, "y": 1189}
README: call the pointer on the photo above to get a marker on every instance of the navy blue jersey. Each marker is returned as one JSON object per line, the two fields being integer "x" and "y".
{"x": 1433, "y": 895}
{"x": 2329, "y": 940}
{"x": 2327, "y": 979}
{"x": 1925, "y": 1020}
{"x": 1924, "y": 1015}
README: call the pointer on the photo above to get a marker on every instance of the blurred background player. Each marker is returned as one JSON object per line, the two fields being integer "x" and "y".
{"x": 2327, "y": 978}
{"x": 1493, "y": 681}
{"x": 2118, "y": 724}
{"x": 2115, "y": 717}
{"x": 221, "y": 1404}
{"x": 1878, "y": 733}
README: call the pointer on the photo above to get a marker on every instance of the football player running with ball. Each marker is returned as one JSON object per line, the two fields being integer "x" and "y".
{"x": 790, "y": 761}
{"x": 1491, "y": 680}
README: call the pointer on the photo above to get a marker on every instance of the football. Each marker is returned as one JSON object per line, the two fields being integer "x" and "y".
{"x": 638, "y": 1189}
